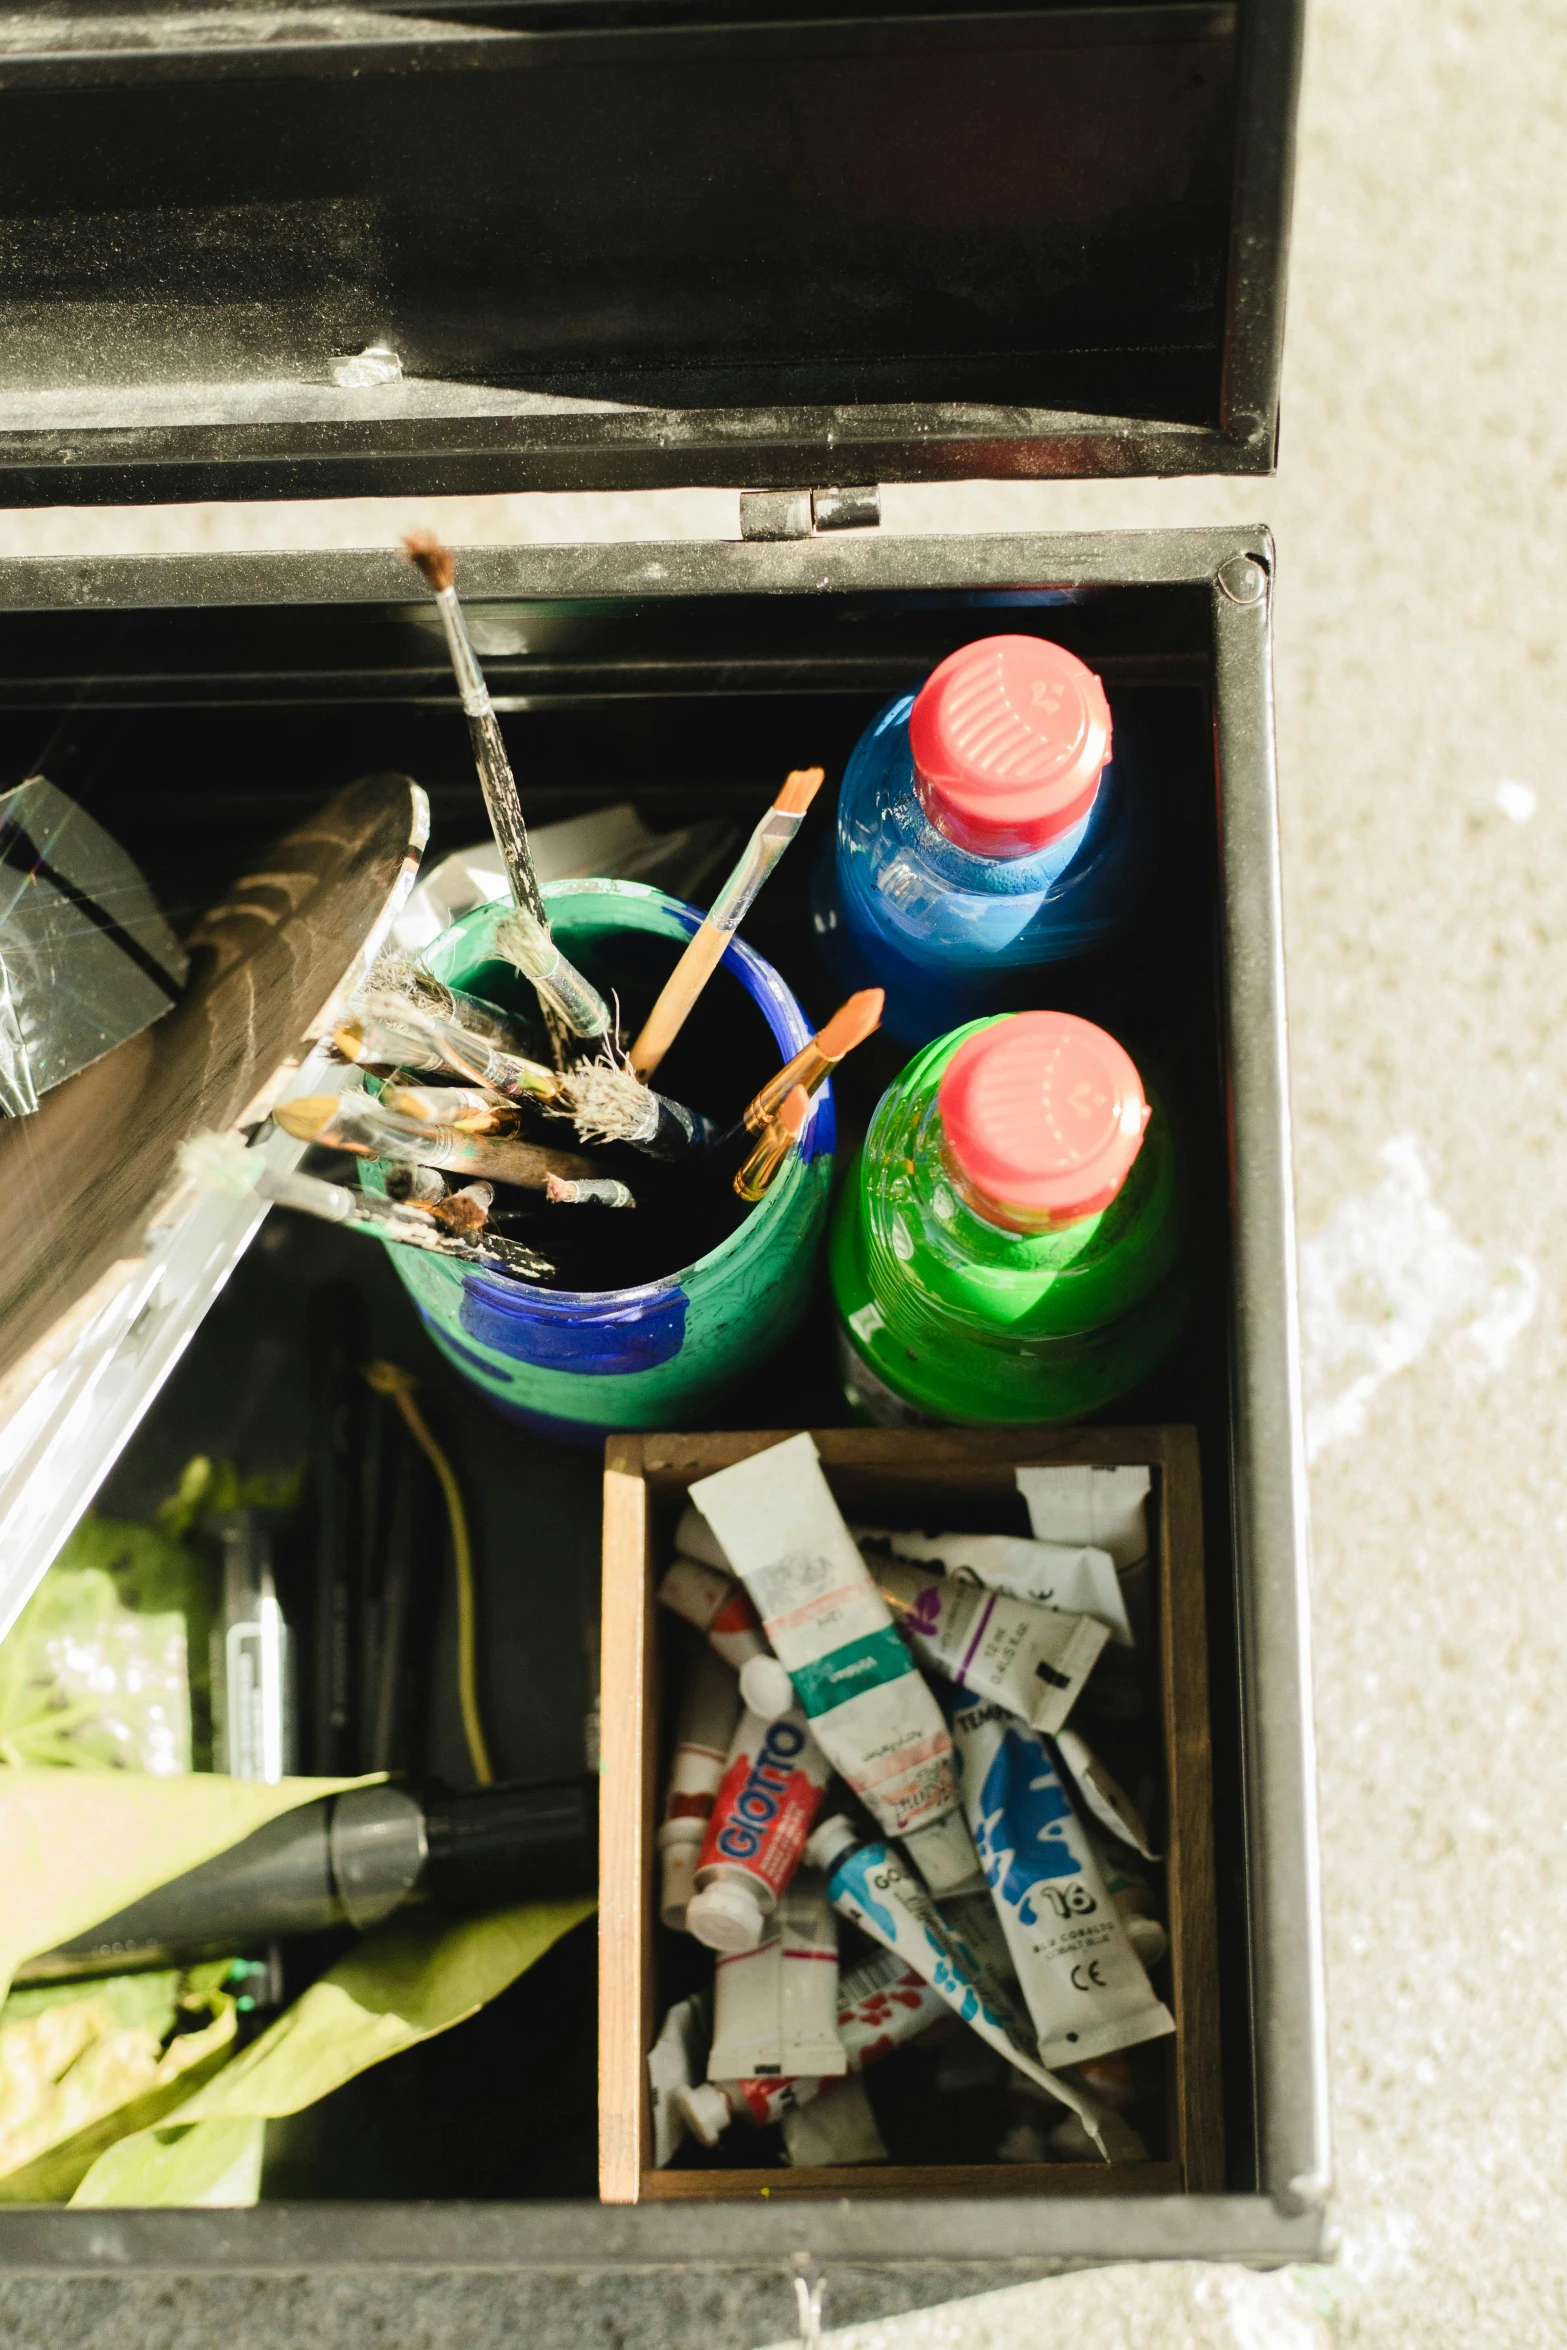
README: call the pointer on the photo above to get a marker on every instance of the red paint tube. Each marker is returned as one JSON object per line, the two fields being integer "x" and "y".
{"x": 718, "y": 1604}
{"x": 707, "y": 1724}
{"x": 774, "y": 1780}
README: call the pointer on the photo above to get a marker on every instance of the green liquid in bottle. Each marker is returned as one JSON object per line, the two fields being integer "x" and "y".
{"x": 947, "y": 1315}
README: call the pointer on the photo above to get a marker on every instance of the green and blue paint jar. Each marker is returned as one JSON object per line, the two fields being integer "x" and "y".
{"x": 656, "y": 1351}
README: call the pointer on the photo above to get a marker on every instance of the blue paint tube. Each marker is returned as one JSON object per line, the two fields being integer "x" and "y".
{"x": 874, "y": 1886}
{"x": 1084, "y": 1985}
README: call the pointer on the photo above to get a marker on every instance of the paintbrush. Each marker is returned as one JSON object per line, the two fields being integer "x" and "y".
{"x": 850, "y": 1025}
{"x": 397, "y": 980}
{"x": 598, "y": 1191}
{"x": 524, "y": 936}
{"x": 472, "y": 1109}
{"x": 224, "y": 1162}
{"x": 352, "y": 1122}
{"x": 429, "y": 1041}
{"x": 723, "y": 918}
{"x": 608, "y": 1104}
{"x": 778, "y": 1139}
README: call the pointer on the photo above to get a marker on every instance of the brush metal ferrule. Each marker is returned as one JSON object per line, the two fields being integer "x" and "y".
{"x": 808, "y": 1068}
{"x": 760, "y": 1172}
{"x": 762, "y": 852}
{"x": 475, "y": 694}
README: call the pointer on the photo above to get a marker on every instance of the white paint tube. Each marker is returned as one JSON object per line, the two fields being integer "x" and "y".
{"x": 874, "y": 1718}
{"x": 1104, "y": 1796}
{"x": 877, "y": 1889}
{"x": 676, "y": 2061}
{"x": 709, "y": 1712}
{"x": 837, "y": 2128}
{"x": 776, "y": 2007}
{"x": 1082, "y": 1982}
{"x": 1033, "y": 1660}
{"x": 1107, "y": 1507}
{"x": 1077, "y": 1579}
{"x": 718, "y": 1605}
{"x": 882, "y": 2006}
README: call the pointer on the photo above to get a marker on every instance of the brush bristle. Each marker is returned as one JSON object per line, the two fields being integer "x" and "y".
{"x": 436, "y": 564}
{"x": 608, "y": 1104}
{"x": 221, "y": 1160}
{"x": 304, "y": 1119}
{"x": 800, "y": 788}
{"x": 520, "y": 941}
{"x": 852, "y": 1023}
{"x": 793, "y": 1111}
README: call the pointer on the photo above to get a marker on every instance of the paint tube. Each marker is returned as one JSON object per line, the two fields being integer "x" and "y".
{"x": 1082, "y": 1982}
{"x": 837, "y": 2128}
{"x": 718, "y": 1605}
{"x": 1107, "y": 1507}
{"x": 708, "y": 1714}
{"x": 775, "y": 1775}
{"x": 676, "y": 2061}
{"x": 882, "y": 2005}
{"x": 1104, "y": 1796}
{"x": 874, "y": 1887}
{"x": 776, "y": 1520}
{"x": 1079, "y": 1580}
{"x": 1136, "y": 1903}
{"x": 776, "y": 2007}
{"x": 1033, "y": 1660}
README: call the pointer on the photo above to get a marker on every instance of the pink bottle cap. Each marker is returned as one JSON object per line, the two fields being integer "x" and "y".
{"x": 1010, "y": 736}
{"x": 1042, "y": 1115}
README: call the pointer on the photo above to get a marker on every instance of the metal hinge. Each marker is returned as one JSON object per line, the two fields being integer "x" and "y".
{"x": 800, "y": 514}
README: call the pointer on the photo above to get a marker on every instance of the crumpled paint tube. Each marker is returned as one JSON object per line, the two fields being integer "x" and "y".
{"x": 1104, "y": 1796}
{"x": 1107, "y": 1507}
{"x": 883, "y": 2004}
{"x": 781, "y": 1530}
{"x": 873, "y": 1886}
{"x": 1033, "y": 1660}
{"x": 1083, "y": 1984}
{"x": 1074, "y": 1577}
{"x": 719, "y": 1605}
{"x": 836, "y": 2128}
{"x": 776, "y": 2006}
{"x": 677, "y": 2061}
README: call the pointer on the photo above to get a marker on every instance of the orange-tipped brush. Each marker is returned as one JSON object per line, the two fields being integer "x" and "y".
{"x": 778, "y": 1139}
{"x": 701, "y": 958}
{"x": 850, "y": 1025}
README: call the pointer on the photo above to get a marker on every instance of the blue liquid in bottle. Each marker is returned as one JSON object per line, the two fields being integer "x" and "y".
{"x": 982, "y": 832}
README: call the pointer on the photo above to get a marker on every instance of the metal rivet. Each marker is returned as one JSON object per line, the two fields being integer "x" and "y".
{"x": 1243, "y": 580}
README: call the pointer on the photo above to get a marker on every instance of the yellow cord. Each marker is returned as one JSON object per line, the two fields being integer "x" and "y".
{"x": 388, "y": 1379}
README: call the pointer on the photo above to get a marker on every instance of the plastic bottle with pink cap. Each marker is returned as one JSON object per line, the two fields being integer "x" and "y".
{"x": 1008, "y": 1245}
{"x": 982, "y": 831}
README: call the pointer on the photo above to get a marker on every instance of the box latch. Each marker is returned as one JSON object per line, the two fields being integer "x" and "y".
{"x": 800, "y": 514}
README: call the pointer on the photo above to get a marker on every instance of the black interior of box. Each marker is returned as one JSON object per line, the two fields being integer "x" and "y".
{"x": 625, "y": 201}
{"x": 198, "y": 736}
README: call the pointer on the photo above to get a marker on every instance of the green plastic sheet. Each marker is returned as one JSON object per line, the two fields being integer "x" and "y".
{"x": 412, "y": 1978}
{"x": 77, "y": 1846}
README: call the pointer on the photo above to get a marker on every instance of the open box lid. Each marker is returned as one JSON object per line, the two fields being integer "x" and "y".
{"x": 296, "y": 248}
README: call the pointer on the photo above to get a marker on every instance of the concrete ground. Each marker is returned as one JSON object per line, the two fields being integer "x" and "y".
{"x": 1422, "y": 609}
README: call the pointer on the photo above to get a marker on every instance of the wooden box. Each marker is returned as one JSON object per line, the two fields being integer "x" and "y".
{"x": 963, "y": 1477}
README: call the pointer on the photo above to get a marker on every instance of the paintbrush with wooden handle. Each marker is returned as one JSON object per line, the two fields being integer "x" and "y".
{"x": 723, "y": 918}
